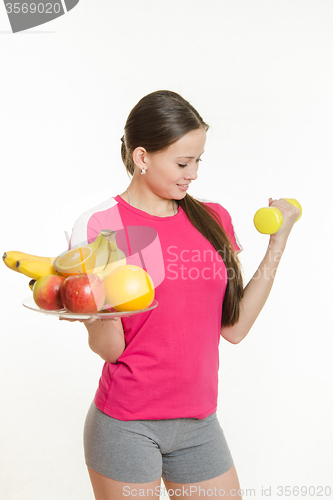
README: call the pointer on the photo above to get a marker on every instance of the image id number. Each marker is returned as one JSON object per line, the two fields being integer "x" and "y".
{"x": 302, "y": 491}
{"x": 33, "y": 8}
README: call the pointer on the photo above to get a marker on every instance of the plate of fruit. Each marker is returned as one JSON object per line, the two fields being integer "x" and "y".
{"x": 89, "y": 281}
{"x": 105, "y": 313}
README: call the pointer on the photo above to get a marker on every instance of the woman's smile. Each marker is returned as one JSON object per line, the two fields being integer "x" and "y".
{"x": 183, "y": 187}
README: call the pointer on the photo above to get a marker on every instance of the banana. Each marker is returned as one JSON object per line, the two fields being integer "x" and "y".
{"x": 34, "y": 268}
{"x": 101, "y": 253}
{"x": 10, "y": 258}
{"x": 31, "y": 284}
{"x": 97, "y": 242}
{"x": 116, "y": 257}
{"x": 97, "y": 258}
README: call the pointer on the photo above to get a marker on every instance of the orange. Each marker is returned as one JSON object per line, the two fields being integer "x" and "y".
{"x": 72, "y": 262}
{"x": 129, "y": 288}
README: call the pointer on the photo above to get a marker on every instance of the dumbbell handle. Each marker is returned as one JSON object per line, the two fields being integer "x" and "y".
{"x": 268, "y": 220}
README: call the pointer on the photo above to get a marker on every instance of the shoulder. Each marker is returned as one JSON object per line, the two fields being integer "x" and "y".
{"x": 222, "y": 211}
{"x": 90, "y": 222}
{"x": 101, "y": 207}
{"x": 226, "y": 222}
{"x": 95, "y": 212}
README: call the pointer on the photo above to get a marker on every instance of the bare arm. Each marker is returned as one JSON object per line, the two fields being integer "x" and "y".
{"x": 106, "y": 338}
{"x": 257, "y": 290}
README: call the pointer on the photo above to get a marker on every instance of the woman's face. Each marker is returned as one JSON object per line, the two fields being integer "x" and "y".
{"x": 170, "y": 172}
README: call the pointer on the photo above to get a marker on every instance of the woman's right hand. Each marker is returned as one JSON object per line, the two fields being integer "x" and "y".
{"x": 89, "y": 320}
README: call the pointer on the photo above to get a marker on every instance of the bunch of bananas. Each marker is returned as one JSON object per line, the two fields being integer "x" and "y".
{"x": 107, "y": 256}
{"x": 30, "y": 265}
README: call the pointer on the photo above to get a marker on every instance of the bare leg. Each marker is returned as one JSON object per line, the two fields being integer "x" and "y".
{"x": 110, "y": 489}
{"x": 224, "y": 486}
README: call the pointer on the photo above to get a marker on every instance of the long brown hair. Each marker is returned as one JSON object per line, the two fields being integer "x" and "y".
{"x": 157, "y": 121}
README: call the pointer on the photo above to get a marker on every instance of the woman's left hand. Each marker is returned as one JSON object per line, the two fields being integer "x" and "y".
{"x": 290, "y": 214}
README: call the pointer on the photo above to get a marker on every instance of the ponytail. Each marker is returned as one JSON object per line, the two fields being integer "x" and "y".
{"x": 207, "y": 221}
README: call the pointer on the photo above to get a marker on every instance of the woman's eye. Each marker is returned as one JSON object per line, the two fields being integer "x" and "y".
{"x": 181, "y": 165}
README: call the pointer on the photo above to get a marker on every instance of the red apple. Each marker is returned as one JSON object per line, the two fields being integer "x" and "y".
{"x": 83, "y": 293}
{"x": 46, "y": 292}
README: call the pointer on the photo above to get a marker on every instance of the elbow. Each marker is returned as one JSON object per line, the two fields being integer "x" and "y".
{"x": 114, "y": 355}
{"x": 234, "y": 335}
{"x": 232, "y": 340}
{"x": 231, "y": 335}
{"x": 111, "y": 359}
{"x": 110, "y": 355}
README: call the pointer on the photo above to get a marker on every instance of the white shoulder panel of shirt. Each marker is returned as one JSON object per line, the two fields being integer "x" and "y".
{"x": 79, "y": 233}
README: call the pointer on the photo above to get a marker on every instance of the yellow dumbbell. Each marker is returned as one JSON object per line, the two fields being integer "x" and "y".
{"x": 268, "y": 220}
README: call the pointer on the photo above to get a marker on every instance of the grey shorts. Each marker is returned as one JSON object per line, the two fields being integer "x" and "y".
{"x": 181, "y": 450}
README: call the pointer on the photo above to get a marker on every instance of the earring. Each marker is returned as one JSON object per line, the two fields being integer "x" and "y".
{"x": 143, "y": 171}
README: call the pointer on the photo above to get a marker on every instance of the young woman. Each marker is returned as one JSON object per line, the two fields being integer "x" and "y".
{"x": 154, "y": 413}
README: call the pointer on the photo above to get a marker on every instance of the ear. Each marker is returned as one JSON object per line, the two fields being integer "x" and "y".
{"x": 139, "y": 157}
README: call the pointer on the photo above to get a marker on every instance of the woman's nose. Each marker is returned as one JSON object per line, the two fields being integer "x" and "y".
{"x": 191, "y": 174}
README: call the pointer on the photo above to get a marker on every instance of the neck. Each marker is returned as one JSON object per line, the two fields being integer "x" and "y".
{"x": 150, "y": 204}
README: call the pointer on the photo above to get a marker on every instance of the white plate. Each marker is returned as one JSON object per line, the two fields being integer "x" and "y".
{"x": 104, "y": 314}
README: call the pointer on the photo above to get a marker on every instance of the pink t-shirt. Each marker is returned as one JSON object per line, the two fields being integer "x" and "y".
{"x": 169, "y": 368}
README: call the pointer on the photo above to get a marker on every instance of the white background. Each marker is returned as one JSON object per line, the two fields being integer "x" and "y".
{"x": 260, "y": 73}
